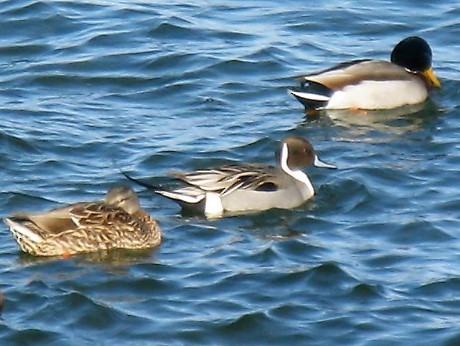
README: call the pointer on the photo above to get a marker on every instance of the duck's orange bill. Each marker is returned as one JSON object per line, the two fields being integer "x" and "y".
{"x": 431, "y": 76}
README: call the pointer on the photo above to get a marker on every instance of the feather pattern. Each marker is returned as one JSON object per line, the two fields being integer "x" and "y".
{"x": 247, "y": 187}
{"x": 372, "y": 84}
{"x": 229, "y": 178}
{"x": 85, "y": 227}
{"x": 356, "y": 71}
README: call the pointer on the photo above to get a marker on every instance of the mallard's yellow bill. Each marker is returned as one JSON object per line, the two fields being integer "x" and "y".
{"x": 431, "y": 76}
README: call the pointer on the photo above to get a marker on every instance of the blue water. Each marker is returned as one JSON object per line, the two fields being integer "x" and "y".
{"x": 92, "y": 87}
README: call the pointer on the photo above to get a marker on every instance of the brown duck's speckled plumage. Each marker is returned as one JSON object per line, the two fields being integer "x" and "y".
{"x": 87, "y": 227}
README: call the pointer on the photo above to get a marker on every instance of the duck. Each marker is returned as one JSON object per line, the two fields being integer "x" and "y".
{"x": 116, "y": 222}
{"x": 370, "y": 84}
{"x": 244, "y": 188}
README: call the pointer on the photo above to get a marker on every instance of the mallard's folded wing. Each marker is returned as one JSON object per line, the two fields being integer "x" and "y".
{"x": 356, "y": 71}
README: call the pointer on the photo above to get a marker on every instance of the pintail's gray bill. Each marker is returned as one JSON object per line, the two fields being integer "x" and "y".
{"x": 321, "y": 164}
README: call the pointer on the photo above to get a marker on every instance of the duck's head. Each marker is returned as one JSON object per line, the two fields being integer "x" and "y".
{"x": 414, "y": 54}
{"x": 123, "y": 197}
{"x": 296, "y": 152}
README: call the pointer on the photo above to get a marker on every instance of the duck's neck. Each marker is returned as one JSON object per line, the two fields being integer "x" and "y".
{"x": 297, "y": 174}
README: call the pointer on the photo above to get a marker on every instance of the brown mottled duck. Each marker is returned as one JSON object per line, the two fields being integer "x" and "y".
{"x": 117, "y": 222}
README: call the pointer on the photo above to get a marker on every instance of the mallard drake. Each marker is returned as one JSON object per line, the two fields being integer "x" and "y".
{"x": 373, "y": 84}
{"x": 248, "y": 187}
{"x": 117, "y": 222}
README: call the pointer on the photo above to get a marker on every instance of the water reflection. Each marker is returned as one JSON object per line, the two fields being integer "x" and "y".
{"x": 395, "y": 121}
{"x": 115, "y": 257}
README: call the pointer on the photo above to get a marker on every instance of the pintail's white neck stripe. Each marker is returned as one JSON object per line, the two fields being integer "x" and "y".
{"x": 296, "y": 174}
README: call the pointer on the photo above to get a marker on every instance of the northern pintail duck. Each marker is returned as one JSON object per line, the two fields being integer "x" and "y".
{"x": 373, "y": 84}
{"x": 249, "y": 187}
{"x": 117, "y": 222}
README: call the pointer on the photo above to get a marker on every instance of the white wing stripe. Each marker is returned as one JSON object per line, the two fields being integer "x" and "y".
{"x": 310, "y": 96}
{"x": 17, "y": 227}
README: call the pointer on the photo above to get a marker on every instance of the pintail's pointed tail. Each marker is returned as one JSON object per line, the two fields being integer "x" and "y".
{"x": 149, "y": 186}
{"x": 187, "y": 195}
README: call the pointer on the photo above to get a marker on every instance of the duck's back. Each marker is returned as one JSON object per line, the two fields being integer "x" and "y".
{"x": 357, "y": 71}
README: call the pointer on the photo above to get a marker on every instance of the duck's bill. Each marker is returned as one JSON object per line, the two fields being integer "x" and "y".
{"x": 322, "y": 164}
{"x": 431, "y": 76}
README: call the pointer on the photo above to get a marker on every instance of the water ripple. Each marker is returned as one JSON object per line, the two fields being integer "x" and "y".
{"x": 92, "y": 88}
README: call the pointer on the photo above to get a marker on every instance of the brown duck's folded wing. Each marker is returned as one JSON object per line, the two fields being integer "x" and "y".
{"x": 51, "y": 222}
{"x": 98, "y": 213}
{"x": 354, "y": 72}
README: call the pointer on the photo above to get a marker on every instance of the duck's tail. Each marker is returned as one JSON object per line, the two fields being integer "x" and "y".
{"x": 149, "y": 186}
{"x": 310, "y": 100}
{"x": 312, "y": 95}
{"x": 19, "y": 230}
{"x": 28, "y": 240}
{"x": 186, "y": 196}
